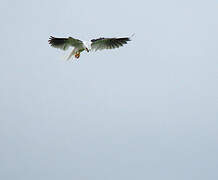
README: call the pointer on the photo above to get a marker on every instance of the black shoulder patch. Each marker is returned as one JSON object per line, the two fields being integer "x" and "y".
{"x": 93, "y": 40}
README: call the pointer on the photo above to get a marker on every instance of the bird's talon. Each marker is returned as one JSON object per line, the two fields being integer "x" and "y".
{"x": 77, "y": 55}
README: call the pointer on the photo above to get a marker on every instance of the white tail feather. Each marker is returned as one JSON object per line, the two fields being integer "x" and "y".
{"x": 72, "y": 53}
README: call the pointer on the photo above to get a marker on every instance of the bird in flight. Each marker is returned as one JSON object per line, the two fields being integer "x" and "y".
{"x": 79, "y": 46}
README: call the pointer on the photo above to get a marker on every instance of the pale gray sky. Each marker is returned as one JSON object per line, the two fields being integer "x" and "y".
{"x": 144, "y": 111}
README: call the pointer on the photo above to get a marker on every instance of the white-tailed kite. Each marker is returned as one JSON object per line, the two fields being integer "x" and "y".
{"x": 79, "y": 46}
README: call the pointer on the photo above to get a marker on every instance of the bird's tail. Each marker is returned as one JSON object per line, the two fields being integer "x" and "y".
{"x": 71, "y": 54}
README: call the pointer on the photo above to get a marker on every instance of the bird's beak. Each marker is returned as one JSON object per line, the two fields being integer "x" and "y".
{"x": 87, "y": 50}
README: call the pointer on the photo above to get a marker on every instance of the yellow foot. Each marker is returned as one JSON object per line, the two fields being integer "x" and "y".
{"x": 77, "y": 55}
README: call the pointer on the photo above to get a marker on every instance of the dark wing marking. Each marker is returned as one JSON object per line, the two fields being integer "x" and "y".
{"x": 108, "y": 43}
{"x": 60, "y": 43}
{"x": 64, "y": 43}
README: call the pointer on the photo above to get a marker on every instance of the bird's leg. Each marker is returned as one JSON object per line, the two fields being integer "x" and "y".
{"x": 77, "y": 55}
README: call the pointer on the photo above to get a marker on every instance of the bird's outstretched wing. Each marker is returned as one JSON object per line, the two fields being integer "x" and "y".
{"x": 64, "y": 43}
{"x": 108, "y": 43}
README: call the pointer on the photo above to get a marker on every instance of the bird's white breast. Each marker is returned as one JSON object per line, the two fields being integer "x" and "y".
{"x": 87, "y": 44}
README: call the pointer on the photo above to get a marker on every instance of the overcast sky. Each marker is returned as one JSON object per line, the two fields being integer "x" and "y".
{"x": 148, "y": 110}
